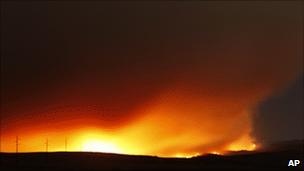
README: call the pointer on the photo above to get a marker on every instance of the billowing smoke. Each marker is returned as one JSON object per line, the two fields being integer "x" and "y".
{"x": 283, "y": 108}
{"x": 173, "y": 79}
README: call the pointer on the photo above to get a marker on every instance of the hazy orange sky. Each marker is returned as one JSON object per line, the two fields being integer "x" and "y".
{"x": 166, "y": 79}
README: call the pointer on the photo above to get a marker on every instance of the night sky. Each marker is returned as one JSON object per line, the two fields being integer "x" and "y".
{"x": 201, "y": 64}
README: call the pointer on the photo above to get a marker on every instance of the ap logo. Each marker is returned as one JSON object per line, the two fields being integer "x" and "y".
{"x": 294, "y": 163}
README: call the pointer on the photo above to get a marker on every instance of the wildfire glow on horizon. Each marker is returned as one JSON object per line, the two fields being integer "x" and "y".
{"x": 95, "y": 141}
{"x": 164, "y": 128}
{"x": 162, "y": 131}
{"x": 168, "y": 79}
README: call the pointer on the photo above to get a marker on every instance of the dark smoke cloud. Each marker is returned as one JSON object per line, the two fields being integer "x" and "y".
{"x": 280, "y": 116}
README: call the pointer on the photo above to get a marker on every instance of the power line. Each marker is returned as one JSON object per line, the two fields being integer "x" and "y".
{"x": 47, "y": 145}
{"x": 17, "y": 144}
{"x": 65, "y": 143}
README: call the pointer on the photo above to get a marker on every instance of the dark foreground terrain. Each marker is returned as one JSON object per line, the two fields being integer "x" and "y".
{"x": 275, "y": 158}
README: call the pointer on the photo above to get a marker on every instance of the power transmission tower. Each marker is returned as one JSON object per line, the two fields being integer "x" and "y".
{"x": 17, "y": 144}
{"x": 47, "y": 145}
{"x": 65, "y": 144}
{"x": 0, "y": 139}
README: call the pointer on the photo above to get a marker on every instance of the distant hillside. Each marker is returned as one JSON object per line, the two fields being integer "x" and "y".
{"x": 273, "y": 159}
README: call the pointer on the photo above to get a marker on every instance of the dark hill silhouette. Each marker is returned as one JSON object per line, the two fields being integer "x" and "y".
{"x": 268, "y": 159}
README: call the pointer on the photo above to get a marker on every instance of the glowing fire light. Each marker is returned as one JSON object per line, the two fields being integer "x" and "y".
{"x": 215, "y": 152}
{"x": 100, "y": 146}
{"x": 182, "y": 155}
{"x": 244, "y": 143}
{"x": 93, "y": 140}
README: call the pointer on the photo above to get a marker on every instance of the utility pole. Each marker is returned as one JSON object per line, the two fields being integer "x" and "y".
{"x": 0, "y": 138}
{"x": 47, "y": 145}
{"x": 65, "y": 144}
{"x": 17, "y": 144}
{"x": 0, "y": 141}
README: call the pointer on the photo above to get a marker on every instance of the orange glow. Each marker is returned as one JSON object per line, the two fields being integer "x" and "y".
{"x": 244, "y": 143}
{"x": 100, "y": 146}
{"x": 96, "y": 140}
{"x": 145, "y": 84}
{"x": 174, "y": 125}
{"x": 215, "y": 152}
{"x": 182, "y": 155}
